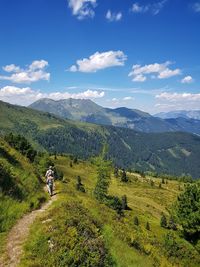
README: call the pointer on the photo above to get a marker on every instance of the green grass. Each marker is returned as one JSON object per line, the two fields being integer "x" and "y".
{"x": 126, "y": 243}
{"x": 145, "y": 201}
{"x": 21, "y": 191}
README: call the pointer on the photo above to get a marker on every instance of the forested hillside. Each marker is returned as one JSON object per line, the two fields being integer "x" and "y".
{"x": 163, "y": 153}
{"x": 88, "y": 111}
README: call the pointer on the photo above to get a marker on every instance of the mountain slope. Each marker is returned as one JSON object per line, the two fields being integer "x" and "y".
{"x": 88, "y": 111}
{"x": 70, "y": 226}
{"x": 188, "y": 114}
{"x": 169, "y": 153}
{"x": 185, "y": 124}
{"x": 20, "y": 188}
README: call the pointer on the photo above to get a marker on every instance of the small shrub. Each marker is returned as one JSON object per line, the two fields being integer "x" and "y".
{"x": 79, "y": 185}
{"x": 136, "y": 221}
{"x": 163, "y": 221}
{"x": 148, "y": 226}
{"x": 124, "y": 202}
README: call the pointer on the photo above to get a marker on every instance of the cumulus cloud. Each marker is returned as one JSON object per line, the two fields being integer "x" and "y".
{"x": 161, "y": 71}
{"x": 33, "y": 73}
{"x": 153, "y": 8}
{"x": 119, "y": 102}
{"x": 170, "y": 101}
{"x": 196, "y": 7}
{"x": 11, "y": 68}
{"x": 113, "y": 16}
{"x": 187, "y": 79}
{"x": 99, "y": 61}
{"x": 82, "y": 8}
{"x": 26, "y": 95}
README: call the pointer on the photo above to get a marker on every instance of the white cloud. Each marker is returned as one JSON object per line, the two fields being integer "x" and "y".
{"x": 38, "y": 64}
{"x": 26, "y": 95}
{"x": 89, "y": 94}
{"x": 161, "y": 71}
{"x": 167, "y": 101}
{"x": 128, "y": 98}
{"x": 153, "y": 8}
{"x": 33, "y": 73}
{"x": 113, "y": 16}
{"x": 82, "y": 8}
{"x": 99, "y": 61}
{"x": 187, "y": 79}
{"x": 137, "y": 8}
{"x": 11, "y": 68}
{"x": 196, "y": 7}
{"x": 173, "y": 97}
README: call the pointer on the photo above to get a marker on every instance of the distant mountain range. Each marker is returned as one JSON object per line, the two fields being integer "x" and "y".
{"x": 173, "y": 153}
{"x": 88, "y": 111}
{"x": 187, "y": 114}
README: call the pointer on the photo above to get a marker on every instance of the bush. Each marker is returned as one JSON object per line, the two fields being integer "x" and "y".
{"x": 21, "y": 144}
{"x": 148, "y": 226}
{"x": 163, "y": 221}
{"x": 79, "y": 185}
{"x": 124, "y": 203}
{"x": 71, "y": 238}
{"x": 136, "y": 220}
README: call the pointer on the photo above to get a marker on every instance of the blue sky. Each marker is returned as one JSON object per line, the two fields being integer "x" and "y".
{"x": 139, "y": 54}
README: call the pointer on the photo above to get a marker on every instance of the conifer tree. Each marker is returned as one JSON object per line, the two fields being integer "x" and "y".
{"x": 116, "y": 172}
{"x": 124, "y": 177}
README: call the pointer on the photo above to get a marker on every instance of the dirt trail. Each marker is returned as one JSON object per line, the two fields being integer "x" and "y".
{"x": 18, "y": 235}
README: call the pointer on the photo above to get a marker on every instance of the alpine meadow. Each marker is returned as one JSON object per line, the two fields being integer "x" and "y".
{"x": 99, "y": 133}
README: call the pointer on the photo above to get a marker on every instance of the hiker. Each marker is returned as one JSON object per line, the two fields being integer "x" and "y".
{"x": 50, "y": 183}
{"x": 50, "y": 180}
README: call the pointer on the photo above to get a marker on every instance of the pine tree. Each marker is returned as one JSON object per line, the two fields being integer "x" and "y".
{"x": 124, "y": 177}
{"x": 124, "y": 202}
{"x": 116, "y": 172}
{"x": 188, "y": 211}
{"x": 163, "y": 221}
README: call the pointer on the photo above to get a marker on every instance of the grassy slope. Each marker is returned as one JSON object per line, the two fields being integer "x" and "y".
{"x": 120, "y": 234}
{"x": 20, "y": 191}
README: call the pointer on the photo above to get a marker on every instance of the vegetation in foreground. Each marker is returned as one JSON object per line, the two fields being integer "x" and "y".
{"x": 21, "y": 187}
{"x": 89, "y": 219}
